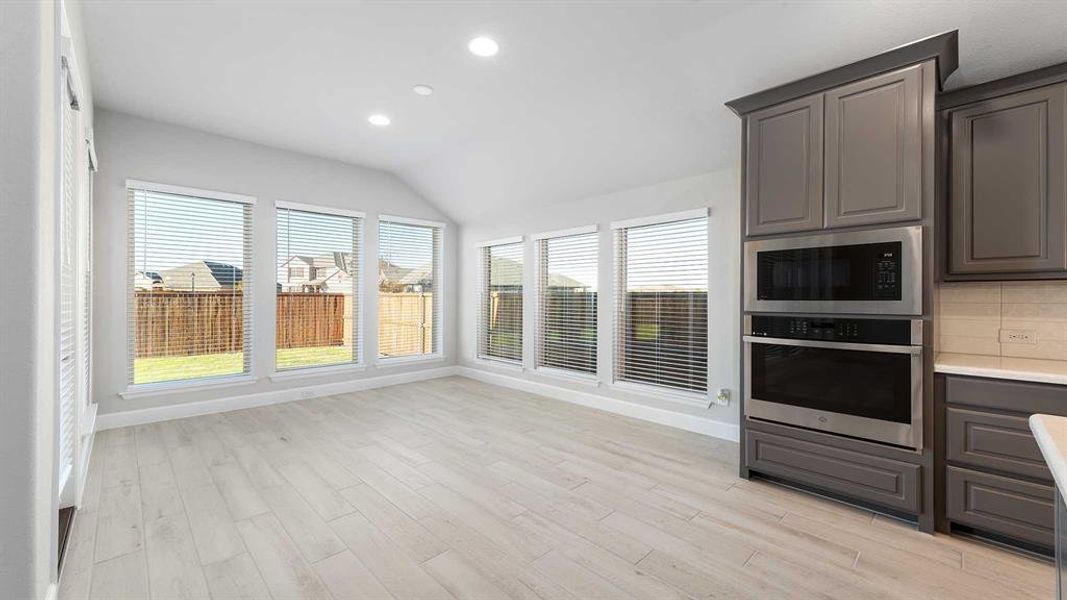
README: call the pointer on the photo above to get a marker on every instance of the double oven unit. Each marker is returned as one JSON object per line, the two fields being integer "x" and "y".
{"x": 833, "y": 335}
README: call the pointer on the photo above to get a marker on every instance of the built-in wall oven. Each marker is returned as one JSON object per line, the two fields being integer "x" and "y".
{"x": 861, "y": 377}
{"x": 862, "y": 272}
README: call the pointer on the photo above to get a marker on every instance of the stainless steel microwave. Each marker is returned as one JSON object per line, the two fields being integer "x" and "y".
{"x": 858, "y": 272}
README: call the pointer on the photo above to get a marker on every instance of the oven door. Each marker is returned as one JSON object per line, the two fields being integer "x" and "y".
{"x": 862, "y": 272}
{"x": 868, "y": 391}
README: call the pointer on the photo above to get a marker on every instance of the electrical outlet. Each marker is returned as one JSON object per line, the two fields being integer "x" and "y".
{"x": 1018, "y": 336}
{"x": 722, "y": 398}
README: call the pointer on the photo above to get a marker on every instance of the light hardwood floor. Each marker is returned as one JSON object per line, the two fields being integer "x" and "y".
{"x": 453, "y": 488}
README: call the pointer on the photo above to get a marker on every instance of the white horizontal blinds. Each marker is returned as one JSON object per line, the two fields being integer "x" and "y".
{"x": 500, "y": 321}
{"x": 318, "y": 277}
{"x": 567, "y": 302}
{"x": 86, "y": 262}
{"x": 409, "y": 289}
{"x": 69, "y": 384}
{"x": 190, "y": 285}
{"x": 662, "y": 303}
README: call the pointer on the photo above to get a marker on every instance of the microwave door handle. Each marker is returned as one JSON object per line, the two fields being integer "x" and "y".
{"x": 752, "y": 339}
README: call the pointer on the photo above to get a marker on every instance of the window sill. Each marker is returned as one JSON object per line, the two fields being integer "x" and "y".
{"x": 388, "y": 362}
{"x": 499, "y": 363}
{"x": 681, "y": 397}
{"x": 301, "y": 373}
{"x": 564, "y": 375}
{"x": 154, "y": 389}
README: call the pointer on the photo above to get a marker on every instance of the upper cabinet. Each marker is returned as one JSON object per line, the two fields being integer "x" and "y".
{"x": 874, "y": 150}
{"x": 1007, "y": 188}
{"x": 851, "y": 155}
{"x": 784, "y": 167}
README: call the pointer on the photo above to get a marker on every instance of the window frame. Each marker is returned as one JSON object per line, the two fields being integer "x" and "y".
{"x": 687, "y": 397}
{"x": 358, "y": 295}
{"x": 539, "y": 239}
{"x": 479, "y": 329}
{"x": 137, "y": 390}
{"x": 440, "y": 297}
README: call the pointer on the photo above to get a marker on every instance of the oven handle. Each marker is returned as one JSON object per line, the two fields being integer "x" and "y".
{"x": 913, "y": 350}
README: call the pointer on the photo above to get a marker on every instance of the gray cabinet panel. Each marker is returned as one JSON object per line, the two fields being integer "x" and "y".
{"x": 1018, "y": 509}
{"x": 784, "y": 168}
{"x": 884, "y": 481}
{"x": 874, "y": 150}
{"x": 993, "y": 441}
{"x": 1002, "y": 394}
{"x": 1008, "y": 195}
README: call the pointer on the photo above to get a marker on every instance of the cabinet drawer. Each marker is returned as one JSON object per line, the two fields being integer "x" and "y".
{"x": 993, "y": 441}
{"x": 995, "y": 504}
{"x": 890, "y": 483}
{"x": 1002, "y": 394}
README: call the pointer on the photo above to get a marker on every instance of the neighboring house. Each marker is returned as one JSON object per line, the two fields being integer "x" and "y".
{"x": 507, "y": 275}
{"x": 330, "y": 272}
{"x": 202, "y": 276}
{"x": 147, "y": 280}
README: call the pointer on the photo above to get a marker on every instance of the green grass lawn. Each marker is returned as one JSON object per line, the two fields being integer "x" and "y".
{"x": 169, "y": 368}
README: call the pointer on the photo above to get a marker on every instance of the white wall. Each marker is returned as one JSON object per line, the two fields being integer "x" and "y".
{"x": 135, "y": 148}
{"x": 27, "y": 311}
{"x": 719, "y": 191}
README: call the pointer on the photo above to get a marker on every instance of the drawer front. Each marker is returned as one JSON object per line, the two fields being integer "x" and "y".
{"x": 890, "y": 483}
{"x": 993, "y": 441}
{"x": 1002, "y": 394}
{"x": 995, "y": 504}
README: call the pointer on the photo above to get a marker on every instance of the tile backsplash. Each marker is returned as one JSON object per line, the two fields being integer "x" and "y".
{"x": 971, "y": 316}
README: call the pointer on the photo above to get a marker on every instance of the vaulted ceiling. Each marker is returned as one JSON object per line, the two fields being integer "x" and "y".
{"x": 584, "y": 98}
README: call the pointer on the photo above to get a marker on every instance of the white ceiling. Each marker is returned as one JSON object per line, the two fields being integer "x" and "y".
{"x": 584, "y": 98}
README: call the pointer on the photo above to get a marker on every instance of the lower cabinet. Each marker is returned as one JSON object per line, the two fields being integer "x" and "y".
{"x": 996, "y": 481}
{"x": 1019, "y": 509}
{"x": 883, "y": 481}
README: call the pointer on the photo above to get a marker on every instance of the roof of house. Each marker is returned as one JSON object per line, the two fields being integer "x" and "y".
{"x": 203, "y": 274}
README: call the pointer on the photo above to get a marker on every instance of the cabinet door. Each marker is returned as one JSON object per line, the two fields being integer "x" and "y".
{"x": 1008, "y": 199}
{"x": 783, "y": 167}
{"x": 874, "y": 150}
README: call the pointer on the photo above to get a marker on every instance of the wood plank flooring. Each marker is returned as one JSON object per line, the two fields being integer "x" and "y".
{"x": 456, "y": 489}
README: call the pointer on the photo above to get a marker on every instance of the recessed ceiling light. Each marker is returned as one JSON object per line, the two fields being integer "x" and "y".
{"x": 379, "y": 120}
{"x": 483, "y": 46}
{"x": 422, "y": 90}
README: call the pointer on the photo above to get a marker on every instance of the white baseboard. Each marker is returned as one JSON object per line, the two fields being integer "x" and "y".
{"x": 192, "y": 409}
{"x": 709, "y": 427}
{"x": 86, "y": 453}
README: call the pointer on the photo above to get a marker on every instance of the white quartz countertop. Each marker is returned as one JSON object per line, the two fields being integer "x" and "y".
{"x": 1003, "y": 367}
{"x": 1051, "y": 435}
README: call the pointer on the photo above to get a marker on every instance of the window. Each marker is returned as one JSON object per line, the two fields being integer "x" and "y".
{"x": 567, "y": 302}
{"x": 190, "y": 284}
{"x": 317, "y": 314}
{"x": 72, "y": 352}
{"x": 500, "y": 319}
{"x": 662, "y": 302}
{"x": 409, "y": 288}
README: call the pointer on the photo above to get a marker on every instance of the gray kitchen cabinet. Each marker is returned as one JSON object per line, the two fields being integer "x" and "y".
{"x": 995, "y": 479}
{"x": 1007, "y": 188}
{"x": 873, "y": 150}
{"x": 784, "y": 167}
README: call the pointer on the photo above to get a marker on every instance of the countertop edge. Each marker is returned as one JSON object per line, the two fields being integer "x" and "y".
{"x": 999, "y": 373}
{"x": 1050, "y": 450}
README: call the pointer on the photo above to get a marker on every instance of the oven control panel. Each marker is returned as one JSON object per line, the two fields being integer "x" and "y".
{"x": 868, "y": 331}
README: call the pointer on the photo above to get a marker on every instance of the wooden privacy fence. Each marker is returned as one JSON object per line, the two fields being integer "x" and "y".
{"x": 168, "y": 323}
{"x": 405, "y": 324}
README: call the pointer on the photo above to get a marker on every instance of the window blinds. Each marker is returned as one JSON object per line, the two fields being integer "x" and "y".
{"x": 190, "y": 284}
{"x": 500, "y": 318}
{"x": 661, "y": 298}
{"x": 409, "y": 288}
{"x": 69, "y": 379}
{"x": 318, "y": 278}
{"x": 567, "y": 302}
